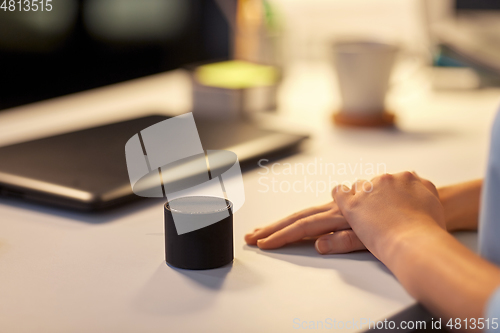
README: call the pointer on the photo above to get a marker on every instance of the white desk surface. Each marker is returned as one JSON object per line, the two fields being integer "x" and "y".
{"x": 63, "y": 271}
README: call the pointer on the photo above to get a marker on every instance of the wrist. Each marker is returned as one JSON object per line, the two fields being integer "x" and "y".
{"x": 401, "y": 243}
{"x": 446, "y": 196}
{"x": 461, "y": 205}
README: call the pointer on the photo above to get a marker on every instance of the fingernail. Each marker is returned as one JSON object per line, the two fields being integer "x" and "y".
{"x": 323, "y": 246}
{"x": 260, "y": 242}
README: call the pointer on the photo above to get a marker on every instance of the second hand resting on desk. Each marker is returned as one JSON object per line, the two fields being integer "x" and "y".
{"x": 402, "y": 219}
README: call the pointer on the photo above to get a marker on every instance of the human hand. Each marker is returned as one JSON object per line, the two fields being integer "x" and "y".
{"x": 396, "y": 206}
{"x": 326, "y": 221}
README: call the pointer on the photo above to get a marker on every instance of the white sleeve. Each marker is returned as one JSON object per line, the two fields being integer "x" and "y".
{"x": 489, "y": 222}
{"x": 493, "y": 312}
{"x": 489, "y": 217}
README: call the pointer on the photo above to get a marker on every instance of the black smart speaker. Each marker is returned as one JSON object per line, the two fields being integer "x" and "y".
{"x": 207, "y": 246}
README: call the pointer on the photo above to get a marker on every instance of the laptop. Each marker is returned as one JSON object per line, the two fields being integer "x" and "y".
{"x": 86, "y": 169}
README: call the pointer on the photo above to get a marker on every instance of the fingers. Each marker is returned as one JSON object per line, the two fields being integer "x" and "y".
{"x": 339, "y": 242}
{"x": 342, "y": 191}
{"x": 312, "y": 225}
{"x": 259, "y": 233}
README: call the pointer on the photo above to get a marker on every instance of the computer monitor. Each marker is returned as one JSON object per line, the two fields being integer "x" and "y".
{"x": 84, "y": 44}
{"x": 477, "y": 4}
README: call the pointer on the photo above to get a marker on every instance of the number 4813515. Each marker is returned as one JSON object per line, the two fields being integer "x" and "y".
{"x": 26, "y": 5}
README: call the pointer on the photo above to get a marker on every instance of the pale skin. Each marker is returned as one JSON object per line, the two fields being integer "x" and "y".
{"x": 403, "y": 219}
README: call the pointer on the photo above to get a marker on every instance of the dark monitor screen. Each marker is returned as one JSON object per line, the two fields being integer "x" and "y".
{"x": 84, "y": 44}
{"x": 478, "y": 4}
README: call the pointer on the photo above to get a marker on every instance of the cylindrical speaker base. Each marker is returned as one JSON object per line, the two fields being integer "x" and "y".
{"x": 205, "y": 248}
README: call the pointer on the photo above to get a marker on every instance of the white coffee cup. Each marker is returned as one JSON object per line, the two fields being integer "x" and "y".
{"x": 363, "y": 71}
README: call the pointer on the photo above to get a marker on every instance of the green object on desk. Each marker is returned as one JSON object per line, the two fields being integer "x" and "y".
{"x": 236, "y": 74}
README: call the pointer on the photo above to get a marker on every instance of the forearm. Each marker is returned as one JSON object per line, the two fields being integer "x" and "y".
{"x": 442, "y": 274}
{"x": 461, "y": 205}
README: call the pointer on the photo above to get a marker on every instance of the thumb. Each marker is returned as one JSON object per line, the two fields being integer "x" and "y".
{"x": 343, "y": 241}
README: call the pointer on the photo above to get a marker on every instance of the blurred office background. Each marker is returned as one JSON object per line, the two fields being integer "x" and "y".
{"x": 448, "y": 49}
{"x": 83, "y": 44}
